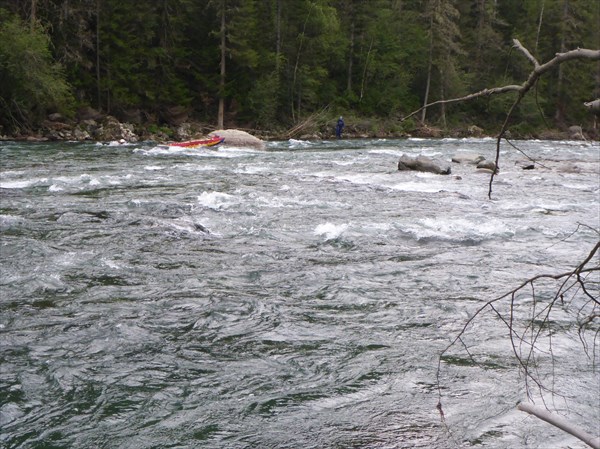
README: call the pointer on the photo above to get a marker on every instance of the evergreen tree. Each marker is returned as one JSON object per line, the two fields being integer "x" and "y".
{"x": 275, "y": 62}
{"x": 32, "y": 84}
{"x": 444, "y": 48}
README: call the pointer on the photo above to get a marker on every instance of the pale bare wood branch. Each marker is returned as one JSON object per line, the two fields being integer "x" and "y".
{"x": 561, "y": 423}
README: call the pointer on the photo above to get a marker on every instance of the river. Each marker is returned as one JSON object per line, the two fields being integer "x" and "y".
{"x": 297, "y": 297}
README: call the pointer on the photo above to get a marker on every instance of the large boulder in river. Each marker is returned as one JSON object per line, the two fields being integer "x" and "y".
{"x": 488, "y": 165}
{"x": 237, "y": 138}
{"x": 421, "y": 163}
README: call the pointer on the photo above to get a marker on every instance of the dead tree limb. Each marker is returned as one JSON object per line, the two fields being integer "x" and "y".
{"x": 521, "y": 90}
{"x": 534, "y": 76}
{"x": 562, "y": 424}
{"x": 482, "y": 93}
{"x": 525, "y": 343}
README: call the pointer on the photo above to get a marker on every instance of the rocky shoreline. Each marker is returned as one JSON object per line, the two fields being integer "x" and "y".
{"x": 94, "y": 126}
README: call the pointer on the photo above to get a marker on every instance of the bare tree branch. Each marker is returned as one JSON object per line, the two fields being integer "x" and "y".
{"x": 482, "y": 93}
{"x": 521, "y": 90}
{"x": 524, "y": 343}
{"x": 539, "y": 70}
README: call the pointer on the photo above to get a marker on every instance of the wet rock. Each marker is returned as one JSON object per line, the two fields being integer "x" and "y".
{"x": 525, "y": 164}
{"x": 422, "y": 164}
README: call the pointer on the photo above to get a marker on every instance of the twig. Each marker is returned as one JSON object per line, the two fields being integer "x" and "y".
{"x": 572, "y": 282}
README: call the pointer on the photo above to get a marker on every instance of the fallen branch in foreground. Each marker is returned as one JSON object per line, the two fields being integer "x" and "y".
{"x": 562, "y": 424}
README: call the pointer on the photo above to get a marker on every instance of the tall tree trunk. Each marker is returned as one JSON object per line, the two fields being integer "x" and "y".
{"x": 278, "y": 37}
{"x": 443, "y": 98}
{"x": 480, "y": 27}
{"x": 350, "y": 57}
{"x": 33, "y": 15}
{"x": 221, "y": 114}
{"x": 429, "y": 69}
{"x": 364, "y": 77}
{"x": 559, "y": 116}
{"x": 539, "y": 30}
{"x": 98, "y": 91}
{"x": 294, "y": 78}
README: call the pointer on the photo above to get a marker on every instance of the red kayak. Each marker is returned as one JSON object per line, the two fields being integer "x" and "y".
{"x": 210, "y": 142}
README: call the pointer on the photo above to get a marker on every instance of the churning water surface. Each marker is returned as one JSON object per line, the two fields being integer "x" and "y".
{"x": 297, "y": 297}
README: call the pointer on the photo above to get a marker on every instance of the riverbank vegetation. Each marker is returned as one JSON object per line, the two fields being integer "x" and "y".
{"x": 289, "y": 68}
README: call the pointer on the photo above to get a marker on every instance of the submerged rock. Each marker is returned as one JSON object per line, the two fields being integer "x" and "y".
{"x": 525, "y": 164}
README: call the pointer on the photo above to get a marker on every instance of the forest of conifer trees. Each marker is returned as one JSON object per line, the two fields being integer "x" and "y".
{"x": 269, "y": 64}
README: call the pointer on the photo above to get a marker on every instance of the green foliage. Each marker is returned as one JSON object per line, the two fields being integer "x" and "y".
{"x": 262, "y": 104}
{"x": 288, "y": 59}
{"x": 31, "y": 83}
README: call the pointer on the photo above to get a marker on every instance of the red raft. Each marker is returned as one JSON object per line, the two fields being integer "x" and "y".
{"x": 210, "y": 142}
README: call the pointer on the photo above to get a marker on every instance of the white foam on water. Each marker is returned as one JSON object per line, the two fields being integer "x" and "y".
{"x": 216, "y": 200}
{"x": 295, "y": 143}
{"x": 476, "y": 227}
{"x": 8, "y": 221}
{"x": 330, "y": 230}
{"x": 23, "y": 184}
{"x": 415, "y": 186}
{"x": 112, "y": 264}
{"x": 16, "y": 184}
{"x": 388, "y": 151}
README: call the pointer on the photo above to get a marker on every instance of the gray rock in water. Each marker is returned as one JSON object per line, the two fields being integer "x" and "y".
{"x": 421, "y": 163}
{"x": 488, "y": 165}
{"x": 467, "y": 158}
{"x": 237, "y": 138}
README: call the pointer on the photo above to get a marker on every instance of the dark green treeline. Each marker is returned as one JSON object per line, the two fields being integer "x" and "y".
{"x": 287, "y": 59}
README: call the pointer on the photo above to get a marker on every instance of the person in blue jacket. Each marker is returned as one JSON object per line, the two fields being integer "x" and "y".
{"x": 339, "y": 127}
